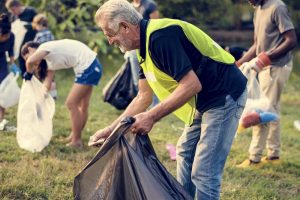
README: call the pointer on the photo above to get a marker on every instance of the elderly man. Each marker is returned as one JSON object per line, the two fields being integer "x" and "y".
{"x": 193, "y": 77}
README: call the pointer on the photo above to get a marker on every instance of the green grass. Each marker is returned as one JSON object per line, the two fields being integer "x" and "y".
{"x": 50, "y": 174}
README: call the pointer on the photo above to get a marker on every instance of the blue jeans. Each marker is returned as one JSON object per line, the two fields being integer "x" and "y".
{"x": 203, "y": 147}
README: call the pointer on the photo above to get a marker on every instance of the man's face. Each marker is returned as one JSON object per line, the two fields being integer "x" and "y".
{"x": 119, "y": 38}
{"x": 255, "y": 3}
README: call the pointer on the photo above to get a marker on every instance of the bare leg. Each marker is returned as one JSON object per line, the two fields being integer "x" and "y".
{"x": 77, "y": 103}
{"x": 83, "y": 109}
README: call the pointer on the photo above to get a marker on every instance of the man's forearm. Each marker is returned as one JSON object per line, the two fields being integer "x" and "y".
{"x": 139, "y": 104}
{"x": 251, "y": 53}
{"x": 11, "y": 60}
{"x": 182, "y": 94}
{"x": 289, "y": 42}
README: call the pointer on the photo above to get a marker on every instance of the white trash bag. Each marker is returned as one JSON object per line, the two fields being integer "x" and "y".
{"x": 35, "y": 112}
{"x": 9, "y": 91}
{"x": 255, "y": 98}
{"x": 258, "y": 109}
{"x": 19, "y": 30}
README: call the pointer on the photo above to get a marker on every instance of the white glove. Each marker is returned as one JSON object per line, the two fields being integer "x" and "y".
{"x": 259, "y": 62}
{"x": 246, "y": 67}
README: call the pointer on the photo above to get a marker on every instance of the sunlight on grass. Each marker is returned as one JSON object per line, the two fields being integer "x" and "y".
{"x": 50, "y": 174}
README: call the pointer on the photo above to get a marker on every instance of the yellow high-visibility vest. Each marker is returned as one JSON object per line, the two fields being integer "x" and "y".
{"x": 161, "y": 83}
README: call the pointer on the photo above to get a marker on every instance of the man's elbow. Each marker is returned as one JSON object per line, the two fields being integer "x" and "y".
{"x": 198, "y": 87}
{"x": 294, "y": 42}
{"x": 292, "y": 38}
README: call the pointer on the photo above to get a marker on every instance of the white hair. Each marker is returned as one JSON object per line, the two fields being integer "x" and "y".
{"x": 116, "y": 11}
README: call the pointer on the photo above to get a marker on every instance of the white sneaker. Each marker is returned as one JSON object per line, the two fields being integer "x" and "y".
{"x": 2, "y": 124}
{"x": 297, "y": 124}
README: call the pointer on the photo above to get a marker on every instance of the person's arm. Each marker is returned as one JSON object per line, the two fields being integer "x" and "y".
{"x": 153, "y": 12}
{"x": 154, "y": 15}
{"x": 249, "y": 55}
{"x": 11, "y": 60}
{"x": 282, "y": 19}
{"x": 34, "y": 60}
{"x": 139, "y": 104}
{"x": 289, "y": 42}
{"x": 188, "y": 87}
{"x": 48, "y": 80}
{"x": 11, "y": 52}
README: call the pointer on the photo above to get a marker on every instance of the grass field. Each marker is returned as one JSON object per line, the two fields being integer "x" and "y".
{"x": 50, "y": 174}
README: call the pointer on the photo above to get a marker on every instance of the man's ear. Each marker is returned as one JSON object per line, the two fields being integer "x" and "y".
{"x": 124, "y": 25}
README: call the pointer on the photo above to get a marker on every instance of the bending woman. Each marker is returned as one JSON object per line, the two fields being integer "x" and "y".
{"x": 44, "y": 59}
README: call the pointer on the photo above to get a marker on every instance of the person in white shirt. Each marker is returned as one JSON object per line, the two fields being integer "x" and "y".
{"x": 42, "y": 60}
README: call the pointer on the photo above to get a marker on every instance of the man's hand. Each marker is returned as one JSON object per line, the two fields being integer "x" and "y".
{"x": 259, "y": 62}
{"x": 27, "y": 76}
{"x": 99, "y": 137}
{"x": 143, "y": 123}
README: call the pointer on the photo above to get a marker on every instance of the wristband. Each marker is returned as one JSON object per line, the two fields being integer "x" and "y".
{"x": 263, "y": 60}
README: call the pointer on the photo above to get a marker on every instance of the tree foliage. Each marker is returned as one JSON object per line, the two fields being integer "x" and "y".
{"x": 74, "y": 19}
{"x": 211, "y": 13}
{"x": 218, "y": 14}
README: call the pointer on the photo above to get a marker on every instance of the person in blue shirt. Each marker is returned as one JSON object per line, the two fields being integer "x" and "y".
{"x": 7, "y": 40}
{"x": 24, "y": 14}
{"x": 44, "y": 34}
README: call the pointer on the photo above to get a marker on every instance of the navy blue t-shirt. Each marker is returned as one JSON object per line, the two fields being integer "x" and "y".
{"x": 27, "y": 15}
{"x": 175, "y": 55}
{"x": 6, "y": 46}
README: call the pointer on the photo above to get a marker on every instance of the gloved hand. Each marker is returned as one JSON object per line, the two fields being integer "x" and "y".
{"x": 15, "y": 69}
{"x": 27, "y": 76}
{"x": 246, "y": 68}
{"x": 259, "y": 62}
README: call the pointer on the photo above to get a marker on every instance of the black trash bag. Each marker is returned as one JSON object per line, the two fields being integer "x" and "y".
{"x": 120, "y": 91}
{"x": 126, "y": 168}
